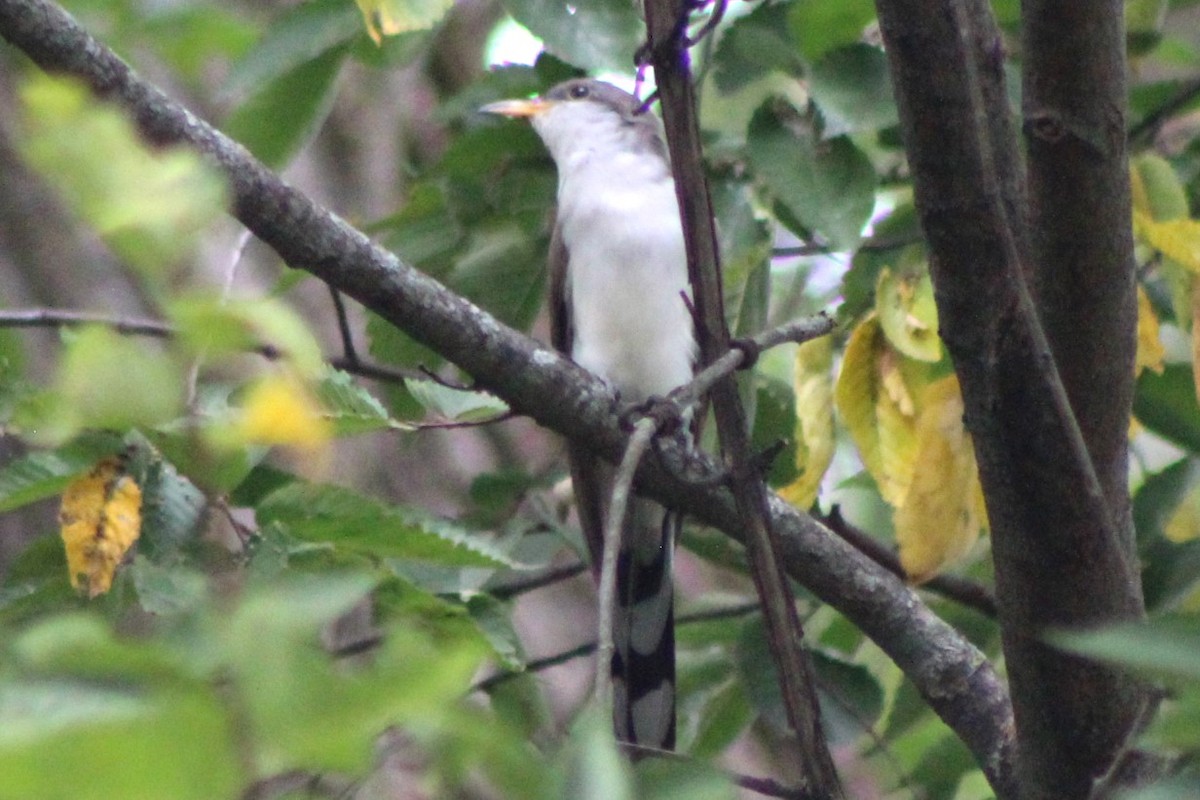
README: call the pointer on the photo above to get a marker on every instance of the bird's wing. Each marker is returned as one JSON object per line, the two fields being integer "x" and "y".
{"x": 643, "y": 664}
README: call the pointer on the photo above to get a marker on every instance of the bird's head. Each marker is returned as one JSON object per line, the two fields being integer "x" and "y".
{"x": 583, "y": 117}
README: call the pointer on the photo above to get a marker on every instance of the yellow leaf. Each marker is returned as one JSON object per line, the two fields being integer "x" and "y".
{"x": 1150, "y": 351}
{"x": 1177, "y": 239}
{"x": 942, "y": 514}
{"x": 1196, "y": 338}
{"x": 908, "y": 314}
{"x": 101, "y": 518}
{"x": 813, "y": 385}
{"x": 1184, "y": 523}
{"x": 877, "y": 405}
{"x": 391, "y": 17}
{"x": 279, "y": 410}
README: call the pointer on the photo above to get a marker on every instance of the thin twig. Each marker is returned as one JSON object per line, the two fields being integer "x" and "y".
{"x": 130, "y": 326}
{"x": 801, "y": 330}
{"x": 547, "y": 578}
{"x": 1149, "y": 125}
{"x": 764, "y": 786}
{"x": 339, "y": 307}
{"x": 968, "y": 593}
{"x": 710, "y": 24}
{"x": 643, "y": 431}
{"x": 589, "y": 647}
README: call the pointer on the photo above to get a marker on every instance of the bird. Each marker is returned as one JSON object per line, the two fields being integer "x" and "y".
{"x": 619, "y": 307}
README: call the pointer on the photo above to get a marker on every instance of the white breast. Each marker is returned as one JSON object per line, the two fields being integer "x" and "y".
{"x": 627, "y": 274}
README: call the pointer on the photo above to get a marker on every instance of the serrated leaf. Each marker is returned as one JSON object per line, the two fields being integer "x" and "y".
{"x": 828, "y": 186}
{"x": 813, "y": 386}
{"x": 593, "y": 34}
{"x": 908, "y": 314}
{"x": 357, "y": 524}
{"x": 494, "y": 620}
{"x": 351, "y": 408}
{"x": 853, "y": 89}
{"x": 456, "y": 405}
{"x": 942, "y": 512}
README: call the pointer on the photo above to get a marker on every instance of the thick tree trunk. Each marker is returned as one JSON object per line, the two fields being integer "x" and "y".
{"x": 1048, "y": 410}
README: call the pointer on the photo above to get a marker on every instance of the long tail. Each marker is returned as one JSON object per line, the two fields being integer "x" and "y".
{"x": 643, "y": 664}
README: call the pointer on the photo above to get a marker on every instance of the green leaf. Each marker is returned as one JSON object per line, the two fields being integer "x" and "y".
{"x": 822, "y": 25}
{"x": 668, "y": 779}
{"x": 43, "y": 474}
{"x": 1166, "y": 404}
{"x": 1163, "y": 647}
{"x": 852, "y": 88}
{"x": 723, "y": 717}
{"x": 1169, "y": 570}
{"x": 189, "y": 38}
{"x": 494, "y": 621}
{"x": 167, "y": 591}
{"x": 849, "y": 695}
{"x": 151, "y": 206}
{"x": 300, "y": 36}
{"x": 63, "y": 738}
{"x": 356, "y": 524}
{"x": 595, "y": 769}
{"x": 353, "y": 409}
{"x": 756, "y": 45}
{"x": 456, "y": 405}
{"x": 278, "y": 119}
{"x": 775, "y": 421}
{"x": 828, "y": 186}
{"x": 305, "y": 712}
{"x": 593, "y": 34}
{"x": 94, "y": 381}
{"x": 502, "y": 272}
{"x": 101, "y": 710}
{"x": 172, "y": 506}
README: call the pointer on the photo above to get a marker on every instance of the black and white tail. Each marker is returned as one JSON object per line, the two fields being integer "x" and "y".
{"x": 643, "y": 663}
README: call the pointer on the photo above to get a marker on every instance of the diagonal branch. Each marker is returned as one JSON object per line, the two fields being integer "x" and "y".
{"x": 951, "y": 674}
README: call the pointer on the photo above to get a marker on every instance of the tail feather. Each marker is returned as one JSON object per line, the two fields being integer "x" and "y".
{"x": 643, "y": 663}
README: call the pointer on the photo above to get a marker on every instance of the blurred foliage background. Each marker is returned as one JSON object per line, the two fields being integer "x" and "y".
{"x": 338, "y": 586}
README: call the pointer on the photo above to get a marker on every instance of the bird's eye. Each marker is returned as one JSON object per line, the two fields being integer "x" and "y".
{"x": 579, "y": 92}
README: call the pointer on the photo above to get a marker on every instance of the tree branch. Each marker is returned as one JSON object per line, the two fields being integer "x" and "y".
{"x": 1060, "y": 552}
{"x": 951, "y": 674}
{"x": 666, "y": 27}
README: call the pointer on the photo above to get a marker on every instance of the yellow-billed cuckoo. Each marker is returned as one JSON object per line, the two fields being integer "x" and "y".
{"x": 618, "y": 276}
